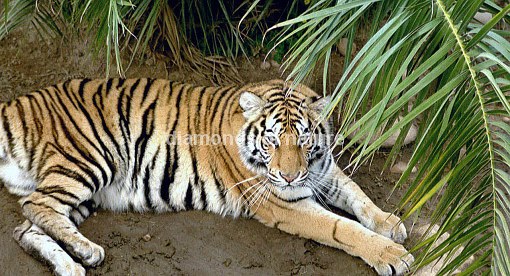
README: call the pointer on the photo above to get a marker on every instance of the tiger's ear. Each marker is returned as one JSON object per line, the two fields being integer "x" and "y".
{"x": 320, "y": 104}
{"x": 251, "y": 104}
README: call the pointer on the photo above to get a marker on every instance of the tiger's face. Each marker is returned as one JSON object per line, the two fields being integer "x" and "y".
{"x": 283, "y": 139}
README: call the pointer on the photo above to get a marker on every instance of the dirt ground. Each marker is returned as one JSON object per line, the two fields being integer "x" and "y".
{"x": 185, "y": 243}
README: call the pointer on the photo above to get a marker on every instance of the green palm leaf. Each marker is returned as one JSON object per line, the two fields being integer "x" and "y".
{"x": 455, "y": 74}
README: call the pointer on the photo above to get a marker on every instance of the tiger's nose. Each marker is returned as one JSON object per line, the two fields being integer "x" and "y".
{"x": 289, "y": 177}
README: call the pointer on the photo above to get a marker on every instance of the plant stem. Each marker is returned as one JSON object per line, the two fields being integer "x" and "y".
{"x": 469, "y": 64}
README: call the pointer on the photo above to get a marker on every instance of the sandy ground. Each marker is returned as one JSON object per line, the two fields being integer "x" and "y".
{"x": 186, "y": 243}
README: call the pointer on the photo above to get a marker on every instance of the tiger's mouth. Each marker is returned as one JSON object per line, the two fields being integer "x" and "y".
{"x": 284, "y": 181}
{"x": 289, "y": 191}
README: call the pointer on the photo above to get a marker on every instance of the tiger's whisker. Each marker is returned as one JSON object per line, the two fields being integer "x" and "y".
{"x": 244, "y": 181}
{"x": 319, "y": 197}
{"x": 257, "y": 196}
{"x": 262, "y": 200}
{"x": 245, "y": 192}
{"x": 251, "y": 196}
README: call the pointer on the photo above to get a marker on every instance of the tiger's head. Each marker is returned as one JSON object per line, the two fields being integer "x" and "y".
{"x": 283, "y": 138}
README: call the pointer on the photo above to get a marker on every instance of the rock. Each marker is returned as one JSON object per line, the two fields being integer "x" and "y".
{"x": 483, "y": 17}
{"x": 434, "y": 267}
{"x": 147, "y": 237}
{"x": 227, "y": 262}
{"x": 400, "y": 167}
{"x": 410, "y": 137}
{"x": 342, "y": 46}
{"x": 462, "y": 152}
{"x": 264, "y": 65}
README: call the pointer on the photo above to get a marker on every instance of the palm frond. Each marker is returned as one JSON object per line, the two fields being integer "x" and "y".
{"x": 15, "y": 13}
{"x": 426, "y": 62}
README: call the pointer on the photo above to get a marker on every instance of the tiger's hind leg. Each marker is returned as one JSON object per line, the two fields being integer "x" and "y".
{"x": 51, "y": 206}
{"x": 37, "y": 243}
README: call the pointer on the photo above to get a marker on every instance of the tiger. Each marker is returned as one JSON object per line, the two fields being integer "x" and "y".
{"x": 126, "y": 145}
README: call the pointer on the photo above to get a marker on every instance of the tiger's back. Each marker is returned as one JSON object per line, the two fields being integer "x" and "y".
{"x": 128, "y": 138}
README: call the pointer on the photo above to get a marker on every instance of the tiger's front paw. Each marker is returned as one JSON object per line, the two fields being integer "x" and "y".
{"x": 390, "y": 258}
{"x": 390, "y": 226}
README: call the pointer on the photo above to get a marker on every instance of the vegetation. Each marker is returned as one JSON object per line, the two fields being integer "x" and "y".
{"x": 196, "y": 35}
{"x": 424, "y": 61}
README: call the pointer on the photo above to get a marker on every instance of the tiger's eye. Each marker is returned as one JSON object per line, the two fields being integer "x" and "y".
{"x": 303, "y": 139}
{"x": 271, "y": 139}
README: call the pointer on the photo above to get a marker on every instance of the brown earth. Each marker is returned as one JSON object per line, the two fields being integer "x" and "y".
{"x": 192, "y": 242}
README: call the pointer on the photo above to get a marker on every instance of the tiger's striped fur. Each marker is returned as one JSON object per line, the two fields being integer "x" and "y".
{"x": 130, "y": 144}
